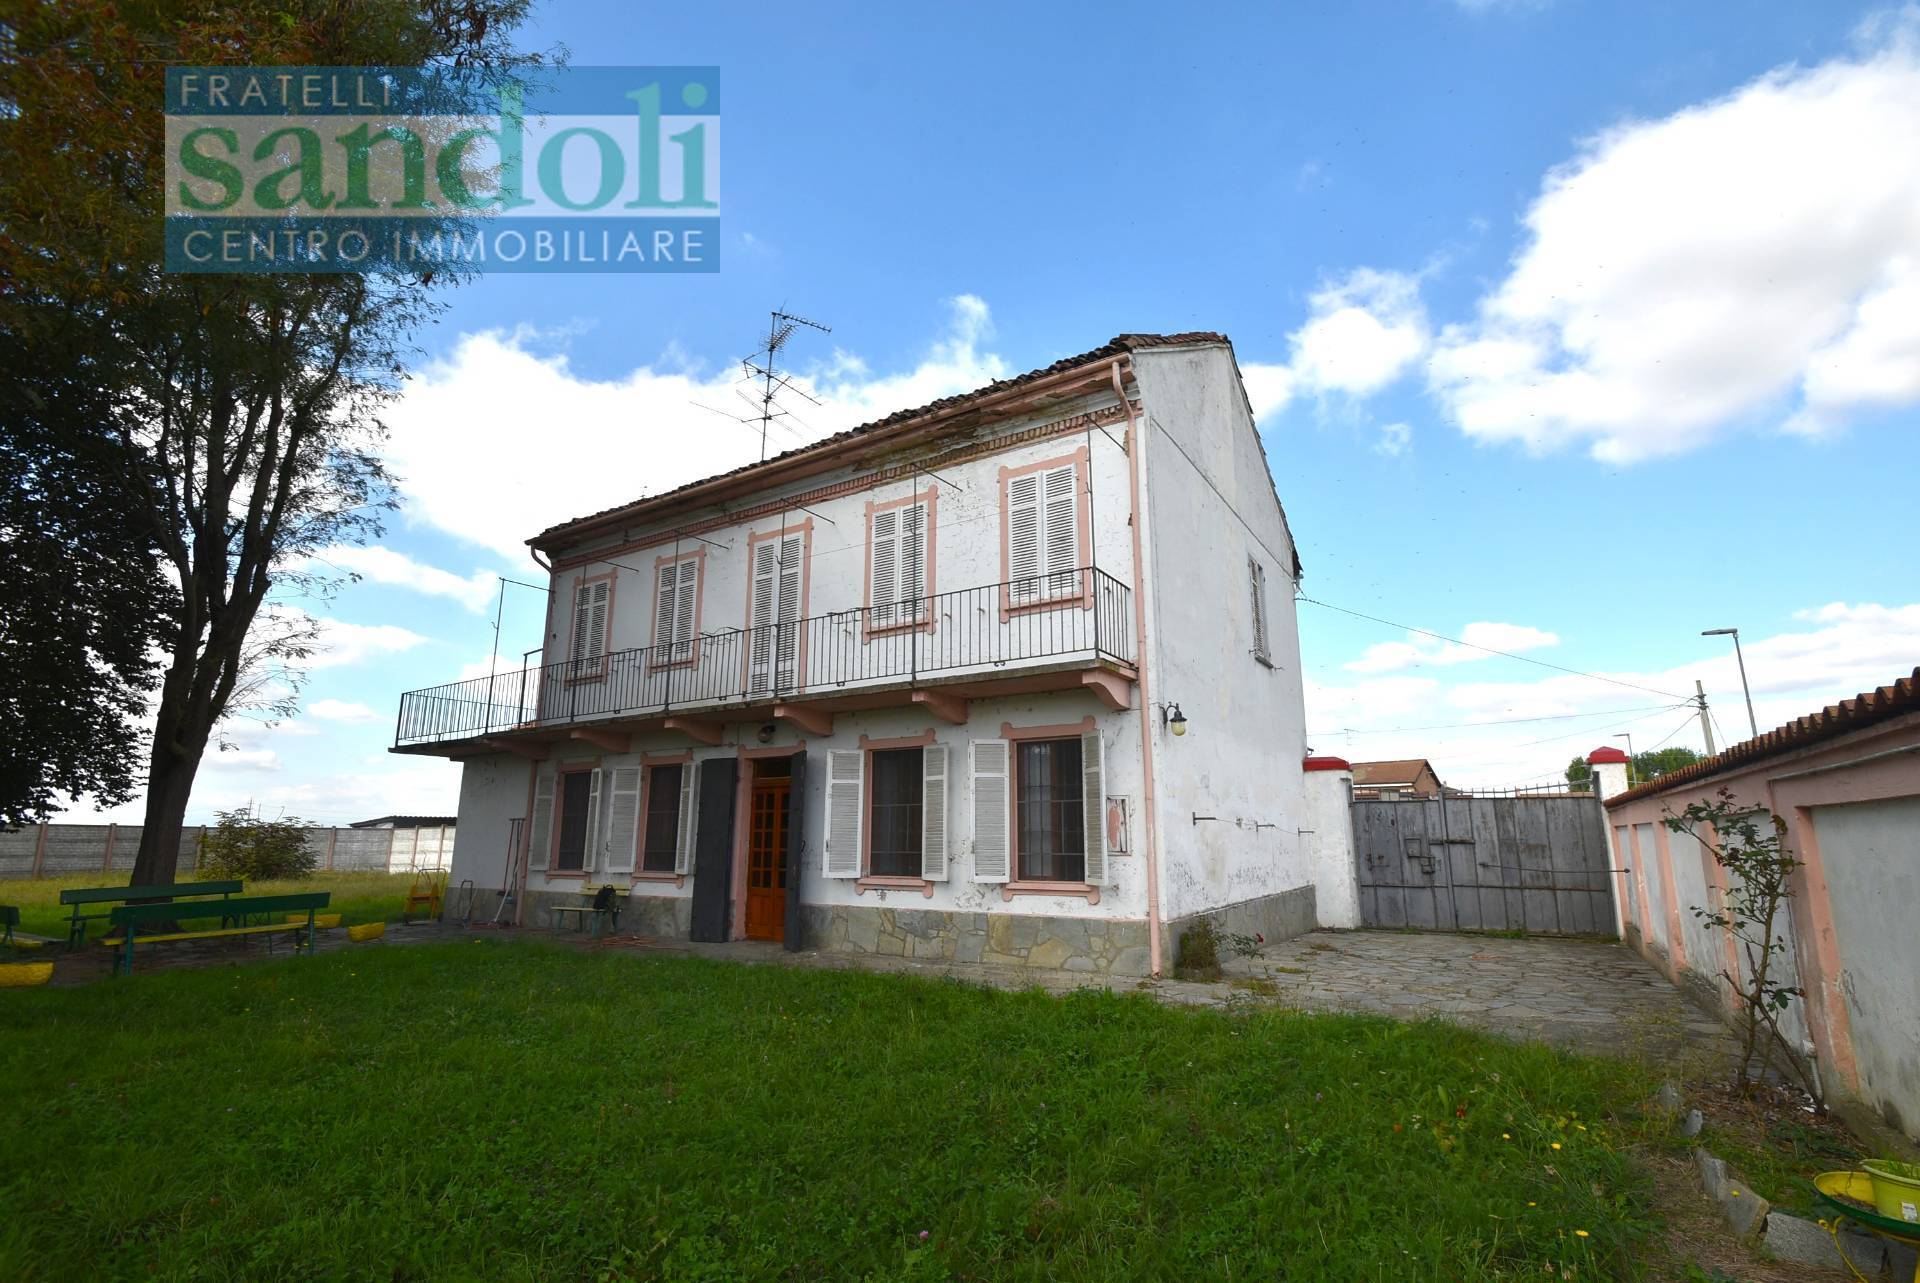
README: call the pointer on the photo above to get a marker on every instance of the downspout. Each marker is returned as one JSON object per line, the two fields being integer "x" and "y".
{"x": 533, "y": 768}
{"x": 1134, "y": 447}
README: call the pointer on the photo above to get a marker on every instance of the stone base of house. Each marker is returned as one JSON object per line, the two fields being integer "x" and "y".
{"x": 663, "y": 917}
{"x": 1280, "y": 916}
{"x": 1093, "y": 946}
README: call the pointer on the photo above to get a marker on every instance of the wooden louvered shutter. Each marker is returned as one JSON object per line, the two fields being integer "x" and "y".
{"x": 845, "y": 771}
{"x": 885, "y": 588}
{"x": 683, "y": 617}
{"x": 913, "y": 563}
{"x": 1257, "y": 584}
{"x": 688, "y": 827}
{"x": 933, "y": 813}
{"x": 760, "y": 628}
{"x": 1062, "y": 531}
{"x": 1024, "y": 549}
{"x": 992, "y": 811}
{"x": 787, "y": 648}
{"x": 665, "y": 612}
{"x": 590, "y": 624}
{"x": 540, "y": 827}
{"x": 623, "y": 819}
{"x": 1093, "y": 801}
{"x": 590, "y": 848}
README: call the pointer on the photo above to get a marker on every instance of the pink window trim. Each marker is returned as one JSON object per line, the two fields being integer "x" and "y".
{"x": 805, "y": 531}
{"x": 931, "y": 497}
{"x": 1083, "y": 471}
{"x": 612, "y": 579}
{"x": 868, "y": 879}
{"x": 1013, "y": 735}
{"x": 699, "y": 594}
{"x": 649, "y": 763}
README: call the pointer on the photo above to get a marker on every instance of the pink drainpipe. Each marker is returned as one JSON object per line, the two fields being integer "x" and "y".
{"x": 1140, "y": 670}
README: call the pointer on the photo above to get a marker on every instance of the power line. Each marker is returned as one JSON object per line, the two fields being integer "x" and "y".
{"x": 1541, "y": 663}
{"x": 1506, "y": 721}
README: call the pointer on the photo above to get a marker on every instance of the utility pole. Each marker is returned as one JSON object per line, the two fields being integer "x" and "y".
{"x": 1706, "y": 725}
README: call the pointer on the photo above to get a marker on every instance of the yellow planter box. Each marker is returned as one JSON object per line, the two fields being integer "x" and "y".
{"x": 367, "y": 931}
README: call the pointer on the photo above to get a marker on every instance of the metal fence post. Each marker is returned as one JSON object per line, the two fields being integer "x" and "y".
{"x": 106, "y": 860}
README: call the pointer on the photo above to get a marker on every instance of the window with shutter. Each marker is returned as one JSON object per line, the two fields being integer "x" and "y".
{"x": 675, "y": 612}
{"x": 689, "y": 821}
{"x": 933, "y": 813}
{"x": 1044, "y": 542}
{"x": 885, "y": 555}
{"x": 845, "y": 771}
{"x": 592, "y": 603}
{"x": 623, "y": 819}
{"x": 1093, "y": 806}
{"x": 779, "y": 565}
{"x": 1051, "y": 809}
{"x": 577, "y": 801}
{"x": 898, "y": 566}
{"x": 992, "y": 850}
{"x": 660, "y": 838}
{"x": 1257, "y": 585}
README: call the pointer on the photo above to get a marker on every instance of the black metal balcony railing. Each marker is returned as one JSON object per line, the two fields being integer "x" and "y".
{"x": 1086, "y": 613}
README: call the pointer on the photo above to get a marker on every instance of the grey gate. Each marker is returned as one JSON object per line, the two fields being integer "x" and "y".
{"x": 1539, "y": 864}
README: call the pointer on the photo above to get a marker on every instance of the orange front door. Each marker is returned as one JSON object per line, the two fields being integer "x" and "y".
{"x": 767, "y": 859}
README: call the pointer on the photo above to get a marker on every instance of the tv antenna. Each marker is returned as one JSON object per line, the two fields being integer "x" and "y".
{"x": 763, "y": 368}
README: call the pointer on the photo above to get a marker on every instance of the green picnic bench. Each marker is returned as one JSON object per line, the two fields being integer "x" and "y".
{"x": 79, "y": 897}
{"x": 128, "y": 920}
{"x": 598, "y": 905}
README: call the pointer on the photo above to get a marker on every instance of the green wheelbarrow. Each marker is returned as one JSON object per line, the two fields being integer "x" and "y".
{"x": 1849, "y": 1196}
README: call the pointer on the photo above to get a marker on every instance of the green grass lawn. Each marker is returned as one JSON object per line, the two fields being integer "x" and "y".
{"x": 495, "y": 1109}
{"x": 363, "y": 897}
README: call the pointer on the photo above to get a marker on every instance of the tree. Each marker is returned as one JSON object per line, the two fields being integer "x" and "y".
{"x": 1750, "y": 846}
{"x": 1650, "y": 765}
{"x": 1579, "y": 775}
{"x": 243, "y": 412}
{"x": 82, "y": 603}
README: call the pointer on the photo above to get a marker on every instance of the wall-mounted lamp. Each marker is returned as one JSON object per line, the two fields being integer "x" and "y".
{"x": 766, "y": 733}
{"x": 1173, "y": 719}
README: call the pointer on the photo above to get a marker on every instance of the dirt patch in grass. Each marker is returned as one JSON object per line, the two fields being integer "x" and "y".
{"x": 1694, "y": 1244}
{"x": 1254, "y": 984}
{"x": 1773, "y": 1140}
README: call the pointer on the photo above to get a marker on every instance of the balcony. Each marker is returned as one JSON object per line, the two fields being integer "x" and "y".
{"x": 1070, "y": 629}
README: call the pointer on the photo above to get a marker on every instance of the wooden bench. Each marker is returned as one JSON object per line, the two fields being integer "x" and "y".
{"x": 602, "y": 905}
{"x": 128, "y": 919}
{"x": 80, "y": 896}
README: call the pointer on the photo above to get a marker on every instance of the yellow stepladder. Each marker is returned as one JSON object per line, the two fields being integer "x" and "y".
{"x": 428, "y": 891}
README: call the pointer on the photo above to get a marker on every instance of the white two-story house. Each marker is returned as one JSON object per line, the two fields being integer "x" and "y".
{"x": 1012, "y": 677}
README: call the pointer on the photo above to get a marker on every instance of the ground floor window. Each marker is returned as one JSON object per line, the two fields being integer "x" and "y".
{"x": 896, "y": 781}
{"x": 1050, "y": 843}
{"x": 576, "y": 794}
{"x": 657, "y": 849}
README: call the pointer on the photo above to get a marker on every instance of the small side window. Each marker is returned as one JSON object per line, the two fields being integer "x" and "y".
{"x": 1257, "y": 586}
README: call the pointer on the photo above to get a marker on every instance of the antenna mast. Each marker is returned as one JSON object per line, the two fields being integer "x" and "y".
{"x": 764, "y": 366}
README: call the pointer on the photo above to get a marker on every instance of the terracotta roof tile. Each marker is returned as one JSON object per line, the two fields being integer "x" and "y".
{"x": 1863, "y": 710}
{"x": 1119, "y": 345}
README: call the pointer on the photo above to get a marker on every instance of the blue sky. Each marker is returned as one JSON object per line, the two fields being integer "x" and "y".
{"x": 1575, "y": 328}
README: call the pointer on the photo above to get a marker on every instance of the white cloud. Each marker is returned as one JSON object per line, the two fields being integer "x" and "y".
{"x": 1362, "y": 332}
{"x": 1748, "y": 261}
{"x": 341, "y": 710}
{"x": 385, "y": 566}
{"x": 342, "y": 644}
{"x": 1395, "y": 440}
{"x": 1838, "y": 650}
{"x": 495, "y": 442}
{"x": 1418, "y": 649}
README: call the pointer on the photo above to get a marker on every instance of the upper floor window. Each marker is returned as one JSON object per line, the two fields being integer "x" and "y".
{"x": 1257, "y": 585}
{"x": 1045, "y": 536}
{"x": 776, "y": 595}
{"x": 592, "y": 609}
{"x": 900, "y": 564}
{"x": 676, "y": 610}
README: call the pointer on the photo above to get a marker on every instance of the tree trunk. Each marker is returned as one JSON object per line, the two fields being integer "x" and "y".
{"x": 178, "y": 746}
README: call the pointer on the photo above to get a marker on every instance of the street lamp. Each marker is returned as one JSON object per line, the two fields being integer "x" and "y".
{"x": 1741, "y": 659}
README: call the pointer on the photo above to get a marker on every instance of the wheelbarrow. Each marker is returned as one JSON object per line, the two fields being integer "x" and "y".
{"x": 1849, "y": 1196}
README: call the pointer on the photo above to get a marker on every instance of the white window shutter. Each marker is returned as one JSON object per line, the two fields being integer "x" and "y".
{"x": 933, "y": 813}
{"x": 582, "y": 617}
{"x": 666, "y": 601}
{"x": 846, "y": 769}
{"x": 1093, "y": 799}
{"x": 1062, "y": 529}
{"x": 992, "y": 811}
{"x": 760, "y": 621}
{"x": 885, "y": 589}
{"x": 683, "y": 617}
{"x": 623, "y": 819}
{"x": 792, "y": 551}
{"x": 688, "y": 826}
{"x": 590, "y": 854}
{"x": 1024, "y": 551}
{"x": 1257, "y": 582}
{"x": 540, "y": 826}
{"x": 913, "y": 562}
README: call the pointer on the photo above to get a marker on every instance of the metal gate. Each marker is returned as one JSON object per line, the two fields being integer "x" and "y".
{"x": 1538, "y": 864}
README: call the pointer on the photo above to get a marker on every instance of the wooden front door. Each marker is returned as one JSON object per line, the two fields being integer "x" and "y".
{"x": 767, "y": 859}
